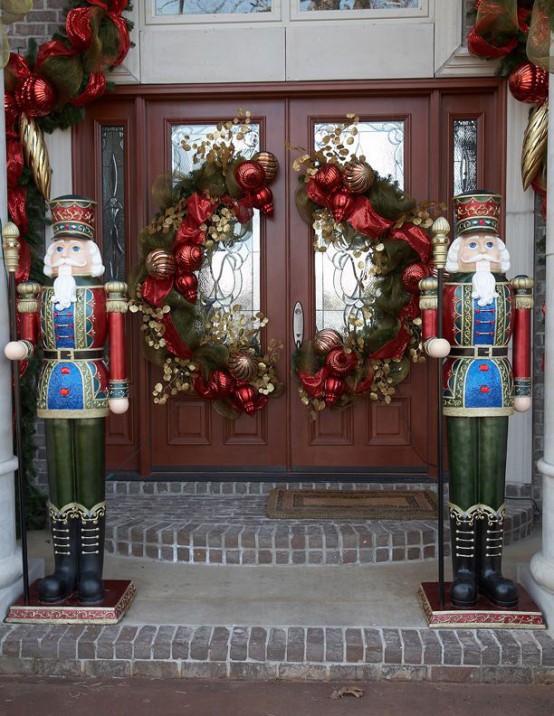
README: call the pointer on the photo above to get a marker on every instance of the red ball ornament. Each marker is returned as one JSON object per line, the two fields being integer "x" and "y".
{"x": 250, "y": 175}
{"x": 529, "y": 83}
{"x": 342, "y": 205}
{"x": 11, "y": 109}
{"x": 187, "y": 285}
{"x": 412, "y": 275}
{"x": 334, "y": 388}
{"x": 263, "y": 200}
{"x": 340, "y": 362}
{"x": 220, "y": 384}
{"x": 189, "y": 257}
{"x": 35, "y": 96}
{"x": 328, "y": 178}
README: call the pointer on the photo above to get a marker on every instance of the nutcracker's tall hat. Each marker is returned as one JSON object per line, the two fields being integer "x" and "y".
{"x": 477, "y": 212}
{"x": 73, "y": 217}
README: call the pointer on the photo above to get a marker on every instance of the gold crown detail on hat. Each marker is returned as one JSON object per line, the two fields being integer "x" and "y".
{"x": 73, "y": 217}
{"x": 477, "y": 212}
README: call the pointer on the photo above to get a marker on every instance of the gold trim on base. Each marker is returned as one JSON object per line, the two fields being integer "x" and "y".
{"x": 119, "y": 593}
{"x": 484, "y": 615}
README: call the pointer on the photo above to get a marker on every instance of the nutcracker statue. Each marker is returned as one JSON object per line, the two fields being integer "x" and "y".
{"x": 481, "y": 312}
{"x": 71, "y": 319}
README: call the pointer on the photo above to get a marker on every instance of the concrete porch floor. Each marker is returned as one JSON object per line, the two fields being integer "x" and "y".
{"x": 345, "y": 622}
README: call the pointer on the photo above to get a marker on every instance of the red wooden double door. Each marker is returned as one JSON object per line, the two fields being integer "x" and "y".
{"x": 187, "y": 435}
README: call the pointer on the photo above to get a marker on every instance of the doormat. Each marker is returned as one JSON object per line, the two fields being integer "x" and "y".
{"x": 289, "y": 504}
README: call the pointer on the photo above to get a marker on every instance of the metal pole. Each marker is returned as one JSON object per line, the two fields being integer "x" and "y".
{"x": 10, "y": 234}
{"x": 440, "y": 229}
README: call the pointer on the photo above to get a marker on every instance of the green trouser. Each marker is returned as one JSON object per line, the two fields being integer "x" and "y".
{"x": 75, "y": 450}
{"x": 477, "y": 460}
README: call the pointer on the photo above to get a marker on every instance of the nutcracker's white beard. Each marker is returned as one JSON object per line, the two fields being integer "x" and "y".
{"x": 65, "y": 288}
{"x": 484, "y": 283}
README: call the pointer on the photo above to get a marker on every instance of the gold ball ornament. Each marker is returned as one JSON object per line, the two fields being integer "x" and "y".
{"x": 358, "y": 176}
{"x": 270, "y": 164}
{"x": 326, "y": 339}
{"x": 533, "y": 153}
{"x": 160, "y": 264}
{"x": 243, "y": 365}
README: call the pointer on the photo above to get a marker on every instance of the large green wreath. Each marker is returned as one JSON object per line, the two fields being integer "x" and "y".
{"x": 210, "y": 352}
{"x": 350, "y": 206}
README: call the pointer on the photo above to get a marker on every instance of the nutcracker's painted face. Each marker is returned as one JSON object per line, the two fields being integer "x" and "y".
{"x": 81, "y": 257}
{"x": 477, "y": 248}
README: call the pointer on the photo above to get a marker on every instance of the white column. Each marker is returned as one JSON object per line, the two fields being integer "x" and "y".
{"x": 539, "y": 579}
{"x": 10, "y": 554}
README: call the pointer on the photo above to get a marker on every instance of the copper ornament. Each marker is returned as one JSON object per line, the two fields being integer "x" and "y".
{"x": 243, "y": 366}
{"x": 189, "y": 257}
{"x": 270, "y": 164}
{"x": 529, "y": 83}
{"x": 326, "y": 339}
{"x": 160, "y": 264}
{"x": 250, "y": 175}
{"x": 328, "y": 178}
{"x": 358, "y": 176}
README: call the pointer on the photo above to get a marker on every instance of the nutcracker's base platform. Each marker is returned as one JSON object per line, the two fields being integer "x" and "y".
{"x": 119, "y": 593}
{"x": 484, "y": 615}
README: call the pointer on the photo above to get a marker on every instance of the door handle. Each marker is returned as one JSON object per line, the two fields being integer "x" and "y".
{"x": 298, "y": 324}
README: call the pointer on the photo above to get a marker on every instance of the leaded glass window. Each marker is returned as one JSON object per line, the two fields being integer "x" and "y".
{"x": 464, "y": 160}
{"x": 113, "y": 200}
{"x": 231, "y": 276}
{"x": 343, "y": 273}
{"x": 211, "y": 7}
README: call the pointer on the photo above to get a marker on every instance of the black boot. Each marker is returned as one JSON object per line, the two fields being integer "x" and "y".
{"x": 91, "y": 559}
{"x": 463, "y": 592}
{"x": 500, "y": 591}
{"x": 60, "y": 585}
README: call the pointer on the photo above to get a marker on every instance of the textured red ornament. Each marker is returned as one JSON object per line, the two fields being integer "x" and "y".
{"x": 340, "y": 362}
{"x": 342, "y": 205}
{"x": 334, "y": 388}
{"x": 328, "y": 178}
{"x": 187, "y": 285}
{"x": 35, "y": 96}
{"x": 95, "y": 88}
{"x": 263, "y": 200}
{"x": 529, "y": 83}
{"x": 412, "y": 275}
{"x": 250, "y": 175}
{"x": 189, "y": 257}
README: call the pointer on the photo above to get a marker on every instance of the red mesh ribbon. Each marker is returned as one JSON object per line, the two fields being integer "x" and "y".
{"x": 54, "y": 48}
{"x": 366, "y": 220}
{"x": 95, "y": 88}
{"x": 314, "y": 385}
{"x": 496, "y": 26}
{"x": 113, "y": 11}
{"x": 173, "y": 339}
{"x": 199, "y": 209}
{"x": 538, "y": 39}
{"x": 395, "y": 348}
{"x": 155, "y": 290}
{"x": 416, "y": 238}
{"x": 78, "y": 26}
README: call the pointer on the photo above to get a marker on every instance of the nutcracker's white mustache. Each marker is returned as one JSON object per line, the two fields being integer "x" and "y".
{"x": 70, "y": 262}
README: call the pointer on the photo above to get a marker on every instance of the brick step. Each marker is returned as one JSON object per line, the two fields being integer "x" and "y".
{"x": 278, "y": 652}
{"x": 225, "y": 523}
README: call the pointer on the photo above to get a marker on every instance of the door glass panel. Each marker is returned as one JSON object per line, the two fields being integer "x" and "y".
{"x": 113, "y": 198}
{"x": 232, "y": 275}
{"x": 464, "y": 158}
{"x": 343, "y": 273}
{"x": 323, "y": 5}
{"x": 211, "y": 7}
